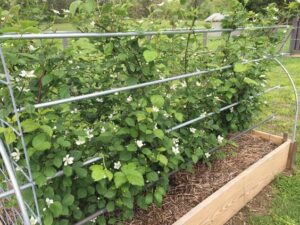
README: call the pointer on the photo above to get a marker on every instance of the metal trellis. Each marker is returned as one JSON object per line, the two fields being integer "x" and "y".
{"x": 30, "y": 215}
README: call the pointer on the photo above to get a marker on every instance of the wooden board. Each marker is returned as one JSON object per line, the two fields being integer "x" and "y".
{"x": 218, "y": 208}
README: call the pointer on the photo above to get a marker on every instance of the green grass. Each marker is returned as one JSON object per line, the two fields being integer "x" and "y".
{"x": 285, "y": 206}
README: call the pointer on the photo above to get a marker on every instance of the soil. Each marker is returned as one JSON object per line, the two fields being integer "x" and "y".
{"x": 188, "y": 189}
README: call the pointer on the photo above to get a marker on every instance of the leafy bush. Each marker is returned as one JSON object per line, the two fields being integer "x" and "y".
{"x": 126, "y": 129}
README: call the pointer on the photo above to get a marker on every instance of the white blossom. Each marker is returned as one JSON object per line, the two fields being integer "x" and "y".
{"x": 173, "y": 87}
{"x": 175, "y": 150}
{"x": 49, "y": 202}
{"x": 70, "y": 61}
{"x": 110, "y": 116}
{"x": 27, "y": 74}
{"x": 198, "y": 84}
{"x": 203, "y": 115}
{"x": 155, "y": 109}
{"x": 117, "y": 165}
{"x": 89, "y": 133}
{"x": 193, "y": 130}
{"x": 99, "y": 99}
{"x": 55, "y": 11}
{"x": 103, "y": 130}
{"x": 68, "y": 160}
{"x": 217, "y": 98}
{"x": 16, "y": 155}
{"x": 33, "y": 221}
{"x": 232, "y": 109}
{"x": 75, "y": 110}
{"x": 116, "y": 93}
{"x": 207, "y": 155}
{"x": 55, "y": 127}
{"x": 183, "y": 84}
{"x": 129, "y": 99}
{"x": 220, "y": 139}
{"x": 166, "y": 115}
{"x": 161, "y": 4}
{"x": 44, "y": 209}
{"x": 66, "y": 11}
{"x": 139, "y": 143}
{"x": 80, "y": 142}
{"x": 31, "y": 48}
{"x": 93, "y": 23}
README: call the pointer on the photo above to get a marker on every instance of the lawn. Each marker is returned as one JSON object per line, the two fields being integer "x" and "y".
{"x": 285, "y": 205}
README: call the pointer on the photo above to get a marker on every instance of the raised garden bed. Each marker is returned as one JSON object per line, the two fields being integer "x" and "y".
{"x": 211, "y": 196}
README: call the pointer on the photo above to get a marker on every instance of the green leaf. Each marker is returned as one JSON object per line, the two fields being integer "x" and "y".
{"x": 57, "y": 161}
{"x": 40, "y": 142}
{"x": 10, "y": 136}
{"x": 62, "y": 142}
{"x": 159, "y": 133}
{"x": 150, "y": 55}
{"x": 98, "y": 172}
{"x": 110, "y": 206}
{"x": 132, "y": 147}
{"x": 134, "y": 177}
{"x": 56, "y": 209}
{"x": 68, "y": 171}
{"x": 119, "y": 179}
{"x": 29, "y": 125}
{"x": 250, "y": 81}
{"x": 81, "y": 172}
{"x": 68, "y": 200}
{"x": 74, "y": 6}
{"x": 152, "y": 176}
{"x": 240, "y": 68}
{"x": 179, "y": 117}
{"x": 48, "y": 219}
{"x": 130, "y": 122}
{"x": 157, "y": 101}
{"x": 48, "y": 130}
{"x": 162, "y": 159}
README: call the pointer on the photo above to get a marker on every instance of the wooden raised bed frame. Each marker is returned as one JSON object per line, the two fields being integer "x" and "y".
{"x": 219, "y": 207}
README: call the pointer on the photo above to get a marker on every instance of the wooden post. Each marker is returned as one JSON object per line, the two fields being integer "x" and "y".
{"x": 292, "y": 157}
{"x": 295, "y": 38}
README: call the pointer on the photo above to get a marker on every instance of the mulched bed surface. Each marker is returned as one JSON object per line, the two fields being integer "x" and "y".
{"x": 188, "y": 189}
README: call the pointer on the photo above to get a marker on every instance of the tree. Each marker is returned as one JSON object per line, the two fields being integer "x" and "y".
{"x": 259, "y": 5}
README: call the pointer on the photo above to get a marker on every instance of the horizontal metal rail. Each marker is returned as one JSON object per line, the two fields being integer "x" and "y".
{"x": 93, "y": 160}
{"x": 58, "y": 174}
{"x": 202, "y": 117}
{"x": 136, "y": 86}
{"x": 102, "y": 211}
{"x": 130, "y": 33}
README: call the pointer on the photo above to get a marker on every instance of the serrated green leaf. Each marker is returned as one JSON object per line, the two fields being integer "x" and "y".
{"x": 157, "y": 101}
{"x": 40, "y": 142}
{"x": 29, "y": 125}
{"x": 162, "y": 159}
{"x": 150, "y": 55}
{"x": 159, "y": 133}
{"x": 240, "y": 68}
{"x": 56, "y": 209}
{"x": 119, "y": 179}
{"x": 68, "y": 200}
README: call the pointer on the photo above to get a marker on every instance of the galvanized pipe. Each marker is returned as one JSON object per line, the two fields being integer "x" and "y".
{"x": 61, "y": 35}
{"x": 14, "y": 183}
{"x": 213, "y": 113}
{"x": 136, "y": 86}
{"x": 296, "y": 98}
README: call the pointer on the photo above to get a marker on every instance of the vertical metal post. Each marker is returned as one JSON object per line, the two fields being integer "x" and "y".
{"x": 15, "y": 184}
{"x": 11, "y": 93}
{"x": 293, "y": 147}
{"x": 204, "y": 39}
